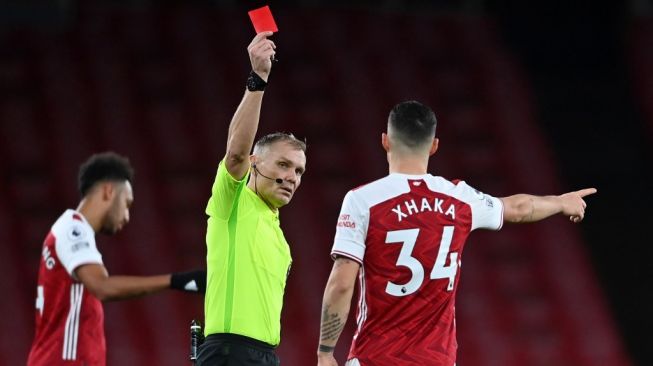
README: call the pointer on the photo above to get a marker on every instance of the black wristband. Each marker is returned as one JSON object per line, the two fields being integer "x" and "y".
{"x": 255, "y": 83}
{"x": 192, "y": 281}
{"x": 326, "y": 349}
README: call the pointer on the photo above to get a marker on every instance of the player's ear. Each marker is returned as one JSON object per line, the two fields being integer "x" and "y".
{"x": 108, "y": 190}
{"x": 434, "y": 146}
{"x": 384, "y": 142}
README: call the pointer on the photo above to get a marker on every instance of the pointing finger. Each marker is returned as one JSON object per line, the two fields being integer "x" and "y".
{"x": 586, "y": 192}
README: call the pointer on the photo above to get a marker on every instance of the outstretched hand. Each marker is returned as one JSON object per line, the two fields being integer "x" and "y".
{"x": 261, "y": 53}
{"x": 573, "y": 204}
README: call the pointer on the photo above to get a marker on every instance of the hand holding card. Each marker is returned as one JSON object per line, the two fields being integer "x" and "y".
{"x": 263, "y": 21}
{"x": 261, "y": 53}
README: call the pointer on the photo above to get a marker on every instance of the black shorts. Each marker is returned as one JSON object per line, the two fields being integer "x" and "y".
{"x": 235, "y": 350}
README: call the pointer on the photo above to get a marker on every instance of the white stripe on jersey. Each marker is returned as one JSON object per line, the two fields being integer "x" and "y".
{"x": 78, "y": 308}
{"x": 362, "y": 305}
{"x": 71, "y": 331}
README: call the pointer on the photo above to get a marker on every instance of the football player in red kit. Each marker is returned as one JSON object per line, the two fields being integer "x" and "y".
{"x": 73, "y": 280}
{"x": 403, "y": 236}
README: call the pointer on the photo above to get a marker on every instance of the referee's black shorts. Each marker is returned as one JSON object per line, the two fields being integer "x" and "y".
{"x": 227, "y": 349}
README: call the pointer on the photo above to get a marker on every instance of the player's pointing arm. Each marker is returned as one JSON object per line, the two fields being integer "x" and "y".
{"x": 522, "y": 208}
{"x": 244, "y": 123}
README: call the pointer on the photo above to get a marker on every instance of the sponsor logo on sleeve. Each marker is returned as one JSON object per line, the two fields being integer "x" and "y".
{"x": 76, "y": 232}
{"x": 488, "y": 202}
{"x": 345, "y": 221}
{"x": 79, "y": 246}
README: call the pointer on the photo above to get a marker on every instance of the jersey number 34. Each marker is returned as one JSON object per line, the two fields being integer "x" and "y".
{"x": 408, "y": 238}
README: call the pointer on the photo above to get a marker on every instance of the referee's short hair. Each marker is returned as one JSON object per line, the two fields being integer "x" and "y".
{"x": 413, "y": 124}
{"x": 106, "y": 166}
{"x": 275, "y": 137}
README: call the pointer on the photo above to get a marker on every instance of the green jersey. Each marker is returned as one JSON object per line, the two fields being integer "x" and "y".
{"x": 247, "y": 259}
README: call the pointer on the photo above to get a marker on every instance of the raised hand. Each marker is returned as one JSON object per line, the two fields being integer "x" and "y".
{"x": 573, "y": 204}
{"x": 261, "y": 52}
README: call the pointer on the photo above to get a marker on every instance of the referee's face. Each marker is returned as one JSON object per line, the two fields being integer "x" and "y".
{"x": 284, "y": 161}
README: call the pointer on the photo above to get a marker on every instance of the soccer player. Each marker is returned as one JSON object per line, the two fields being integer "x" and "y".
{"x": 248, "y": 258}
{"x": 73, "y": 281}
{"x": 403, "y": 235}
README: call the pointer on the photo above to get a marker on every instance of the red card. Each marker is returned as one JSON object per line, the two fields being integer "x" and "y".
{"x": 262, "y": 20}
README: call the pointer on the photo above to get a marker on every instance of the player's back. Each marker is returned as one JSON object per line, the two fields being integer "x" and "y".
{"x": 408, "y": 232}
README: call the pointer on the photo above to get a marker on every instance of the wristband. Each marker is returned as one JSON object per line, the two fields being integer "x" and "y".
{"x": 255, "y": 83}
{"x": 192, "y": 281}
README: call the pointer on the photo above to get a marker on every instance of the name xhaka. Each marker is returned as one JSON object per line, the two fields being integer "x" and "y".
{"x": 410, "y": 207}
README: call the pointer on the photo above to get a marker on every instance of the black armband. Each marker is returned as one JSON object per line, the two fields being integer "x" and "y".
{"x": 255, "y": 83}
{"x": 192, "y": 281}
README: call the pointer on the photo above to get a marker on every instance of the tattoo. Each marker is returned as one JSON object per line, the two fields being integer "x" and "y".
{"x": 326, "y": 349}
{"x": 332, "y": 325}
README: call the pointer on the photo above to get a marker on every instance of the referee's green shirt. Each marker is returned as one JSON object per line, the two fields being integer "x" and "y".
{"x": 248, "y": 260}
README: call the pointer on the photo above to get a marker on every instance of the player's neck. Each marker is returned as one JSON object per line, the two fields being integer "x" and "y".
{"x": 90, "y": 213}
{"x": 407, "y": 165}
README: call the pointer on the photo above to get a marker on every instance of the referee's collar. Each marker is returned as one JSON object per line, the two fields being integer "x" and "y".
{"x": 259, "y": 202}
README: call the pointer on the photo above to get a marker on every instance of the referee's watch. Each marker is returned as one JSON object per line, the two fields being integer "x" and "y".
{"x": 255, "y": 83}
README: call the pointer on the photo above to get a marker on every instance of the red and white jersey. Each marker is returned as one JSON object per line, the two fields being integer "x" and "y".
{"x": 69, "y": 320}
{"x": 408, "y": 233}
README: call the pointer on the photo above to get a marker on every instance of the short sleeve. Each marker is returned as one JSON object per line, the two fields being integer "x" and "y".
{"x": 487, "y": 211}
{"x": 75, "y": 245}
{"x": 224, "y": 192}
{"x": 351, "y": 229}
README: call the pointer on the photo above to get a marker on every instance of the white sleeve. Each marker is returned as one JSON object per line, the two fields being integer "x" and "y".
{"x": 351, "y": 229}
{"x": 75, "y": 245}
{"x": 487, "y": 211}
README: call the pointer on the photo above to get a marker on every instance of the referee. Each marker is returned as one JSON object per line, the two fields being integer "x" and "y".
{"x": 248, "y": 258}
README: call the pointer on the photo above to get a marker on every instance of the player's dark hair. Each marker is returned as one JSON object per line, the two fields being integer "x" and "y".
{"x": 413, "y": 123}
{"x": 275, "y": 137}
{"x": 107, "y": 166}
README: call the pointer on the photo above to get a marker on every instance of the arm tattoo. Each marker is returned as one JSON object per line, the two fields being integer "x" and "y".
{"x": 332, "y": 325}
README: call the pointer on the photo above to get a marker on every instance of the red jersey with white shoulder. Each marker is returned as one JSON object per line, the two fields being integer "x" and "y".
{"x": 408, "y": 234}
{"x": 69, "y": 320}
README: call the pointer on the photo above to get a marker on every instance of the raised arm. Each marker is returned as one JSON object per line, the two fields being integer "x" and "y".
{"x": 522, "y": 208}
{"x": 244, "y": 123}
{"x": 335, "y": 307}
